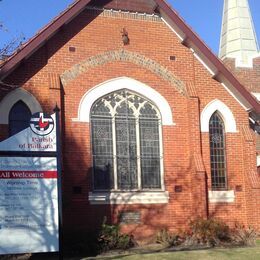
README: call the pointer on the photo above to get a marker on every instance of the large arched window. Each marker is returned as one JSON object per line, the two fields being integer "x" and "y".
{"x": 217, "y": 152}
{"x": 19, "y": 117}
{"x": 126, "y": 130}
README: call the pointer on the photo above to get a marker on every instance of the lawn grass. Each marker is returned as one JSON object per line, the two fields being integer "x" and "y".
{"x": 247, "y": 253}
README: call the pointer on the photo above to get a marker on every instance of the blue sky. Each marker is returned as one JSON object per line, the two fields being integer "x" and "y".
{"x": 26, "y": 17}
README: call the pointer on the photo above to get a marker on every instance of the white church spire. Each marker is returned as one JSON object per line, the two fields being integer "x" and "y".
{"x": 238, "y": 38}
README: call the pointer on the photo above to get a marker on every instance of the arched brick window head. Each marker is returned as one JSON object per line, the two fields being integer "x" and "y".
{"x": 19, "y": 117}
{"x": 217, "y": 152}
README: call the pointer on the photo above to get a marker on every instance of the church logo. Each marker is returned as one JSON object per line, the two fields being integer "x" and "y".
{"x": 41, "y": 124}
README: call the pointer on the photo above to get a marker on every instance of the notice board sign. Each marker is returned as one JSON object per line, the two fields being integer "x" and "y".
{"x": 39, "y": 137}
{"x": 28, "y": 205}
{"x": 29, "y": 202}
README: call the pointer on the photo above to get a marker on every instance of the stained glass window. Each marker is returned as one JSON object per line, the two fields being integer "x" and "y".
{"x": 217, "y": 152}
{"x": 126, "y": 142}
{"x": 19, "y": 118}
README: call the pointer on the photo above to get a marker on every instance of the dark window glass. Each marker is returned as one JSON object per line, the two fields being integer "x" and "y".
{"x": 19, "y": 118}
{"x": 217, "y": 152}
{"x": 126, "y": 154}
{"x": 150, "y": 153}
{"x": 125, "y": 142}
{"x": 102, "y": 153}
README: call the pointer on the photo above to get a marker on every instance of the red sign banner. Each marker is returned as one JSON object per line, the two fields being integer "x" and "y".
{"x": 28, "y": 174}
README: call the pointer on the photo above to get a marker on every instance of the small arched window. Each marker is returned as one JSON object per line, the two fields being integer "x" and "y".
{"x": 126, "y": 143}
{"x": 217, "y": 152}
{"x": 19, "y": 118}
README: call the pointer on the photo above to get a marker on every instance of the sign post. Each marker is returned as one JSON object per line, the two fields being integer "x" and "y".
{"x": 59, "y": 168}
{"x": 30, "y": 188}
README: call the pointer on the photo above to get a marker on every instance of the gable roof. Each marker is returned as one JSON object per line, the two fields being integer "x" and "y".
{"x": 189, "y": 38}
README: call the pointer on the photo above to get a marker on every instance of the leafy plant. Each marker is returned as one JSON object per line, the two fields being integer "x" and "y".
{"x": 110, "y": 238}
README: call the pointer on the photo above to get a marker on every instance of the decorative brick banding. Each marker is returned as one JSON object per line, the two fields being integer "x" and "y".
{"x": 112, "y": 13}
{"x": 125, "y": 56}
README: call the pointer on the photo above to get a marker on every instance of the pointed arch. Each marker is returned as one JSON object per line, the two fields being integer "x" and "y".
{"x": 217, "y": 152}
{"x": 126, "y": 141}
{"x": 12, "y": 98}
{"x": 19, "y": 117}
{"x": 225, "y": 113}
{"x": 127, "y": 83}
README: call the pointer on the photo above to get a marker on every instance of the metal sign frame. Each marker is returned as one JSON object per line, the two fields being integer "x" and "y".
{"x": 54, "y": 154}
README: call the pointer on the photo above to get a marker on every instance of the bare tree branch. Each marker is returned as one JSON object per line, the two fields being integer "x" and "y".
{"x": 10, "y": 47}
{"x": 6, "y": 50}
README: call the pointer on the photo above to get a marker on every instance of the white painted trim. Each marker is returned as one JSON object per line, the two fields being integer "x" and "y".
{"x": 258, "y": 160}
{"x": 120, "y": 83}
{"x": 137, "y": 114}
{"x": 11, "y": 98}
{"x": 236, "y": 97}
{"x": 162, "y": 156}
{"x": 207, "y": 64}
{"x": 172, "y": 29}
{"x": 138, "y": 153}
{"x": 226, "y": 113}
{"x": 129, "y": 197}
{"x": 196, "y": 55}
{"x": 221, "y": 196}
{"x": 256, "y": 95}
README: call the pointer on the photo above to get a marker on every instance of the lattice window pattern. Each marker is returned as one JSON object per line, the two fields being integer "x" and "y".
{"x": 126, "y": 142}
{"x": 217, "y": 152}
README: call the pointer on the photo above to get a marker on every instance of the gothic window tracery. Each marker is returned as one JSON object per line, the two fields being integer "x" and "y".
{"x": 126, "y": 142}
{"x": 217, "y": 152}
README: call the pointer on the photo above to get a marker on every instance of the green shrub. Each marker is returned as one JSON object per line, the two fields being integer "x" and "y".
{"x": 110, "y": 238}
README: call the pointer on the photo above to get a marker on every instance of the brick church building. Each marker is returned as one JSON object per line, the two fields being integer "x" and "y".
{"x": 156, "y": 130}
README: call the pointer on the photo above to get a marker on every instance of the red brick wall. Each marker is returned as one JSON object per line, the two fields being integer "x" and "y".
{"x": 92, "y": 35}
{"x": 249, "y": 77}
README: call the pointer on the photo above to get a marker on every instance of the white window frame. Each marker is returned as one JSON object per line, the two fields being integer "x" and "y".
{"x": 138, "y": 147}
{"x": 13, "y": 97}
{"x": 116, "y": 84}
{"x": 224, "y": 196}
{"x": 153, "y": 196}
{"x": 219, "y": 196}
{"x": 224, "y": 111}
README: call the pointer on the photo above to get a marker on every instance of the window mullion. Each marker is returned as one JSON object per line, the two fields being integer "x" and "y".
{"x": 161, "y": 156}
{"x": 217, "y": 152}
{"x": 114, "y": 152}
{"x": 138, "y": 153}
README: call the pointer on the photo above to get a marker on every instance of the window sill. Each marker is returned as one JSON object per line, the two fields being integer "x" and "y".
{"x": 161, "y": 197}
{"x": 226, "y": 196}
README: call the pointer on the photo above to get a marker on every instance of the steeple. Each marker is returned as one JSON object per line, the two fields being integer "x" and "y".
{"x": 238, "y": 38}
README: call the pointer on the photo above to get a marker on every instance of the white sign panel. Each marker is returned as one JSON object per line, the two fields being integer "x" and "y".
{"x": 39, "y": 137}
{"x": 28, "y": 205}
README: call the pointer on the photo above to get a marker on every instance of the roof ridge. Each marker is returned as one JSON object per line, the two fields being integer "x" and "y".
{"x": 27, "y": 42}
{"x": 78, "y": 6}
